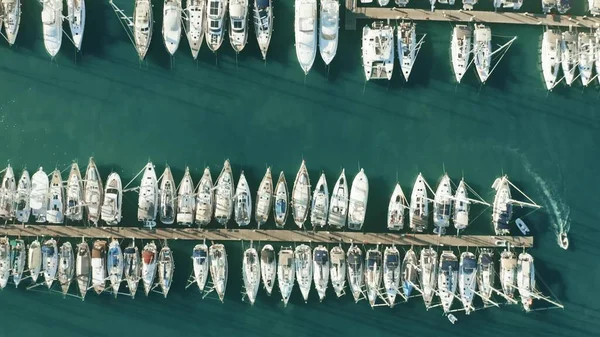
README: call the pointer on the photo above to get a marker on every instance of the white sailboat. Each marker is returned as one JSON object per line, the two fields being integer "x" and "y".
{"x": 75, "y": 201}
{"x": 218, "y": 268}
{"x": 461, "y": 50}
{"x": 356, "y": 275}
{"x": 337, "y": 270}
{"x": 268, "y": 268}
{"x": 264, "y": 199}
{"x": 305, "y": 31}
{"x": 113, "y": 200}
{"x": 338, "y": 208}
{"x": 55, "y": 213}
{"x": 224, "y": 195}
{"x": 286, "y": 273}
{"x": 597, "y": 51}
{"x": 23, "y": 208}
{"x": 503, "y": 205}
{"x": 408, "y": 47}
{"x": 38, "y": 198}
{"x": 142, "y": 26}
{"x": 419, "y": 206}
{"x": 251, "y": 273}
{"x": 149, "y": 266}
{"x": 171, "y": 27}
{"x": 428, "y": 275}
{"x": 114, "y": 266}
{"x": 93, "y": 192}
{"x": 76, "y": 18}
{"x": 280, "y": 206}
{"x": 194, "y": 22}
{"x": 200, "y": 263}
{"x": 49, "y": 261}
{"x": 410, "y": 272}
{"x": 586, "y": 46}
{"x": 461, "y": 207}
{"x": 508, "y": 272}
{"x": 263, "y": 24}
{"x": 526, "y": 280}
{"x": 215, "y": 22}
{"x": 18, "y": 257}
{"x": 328, "y": 29}
{"x": 66, "y": 267}
{"x": 12, "y": 19}
{"x": 186, "y": 200}
{"x": 467, "y": 280}
{"x": 52, "y": 19}
{"x": 447, "y": 279}
{"x": 8, "y": 191}
{"x": 442, "y": 206}
{"x": 98, "y": 262}
{"x": 373, "y": 273}
{"x": 551, "y": 54}
{"x": 238, "y": 24}
{"x": 320, "y": 203}
{"x": 166, "y": 268}
{"x": 148, "y": 197}
{"x": 301, "y": 196}
{"x": 321, "y": 270}
{"x": 204, "y": 199}
{"x": 396, "y": 209}
{"x": 83, "y": 268}
{"x": 482, "y": 51}
{"x": 486, "y": 274}
{"x": 132, "y": 268}
{"x": 378, "y": 51}
{"x": 243, "y": 202}
{"x": 304, "y": 269}
{"x": 569, "y": 57}
{"x": 4, "y": 262}
{"x": 167, "y": 198}
{"x": 359, "y": 196}
{"x": 391, "y": 274}
{"x": 34, "y": 260}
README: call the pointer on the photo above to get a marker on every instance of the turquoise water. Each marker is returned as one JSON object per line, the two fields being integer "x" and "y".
{"x": 106, "y": 104}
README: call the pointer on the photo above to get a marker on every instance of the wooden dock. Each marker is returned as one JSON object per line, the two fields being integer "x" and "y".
{"x": 354, "y": 13}
{"x": 268, "y": 235}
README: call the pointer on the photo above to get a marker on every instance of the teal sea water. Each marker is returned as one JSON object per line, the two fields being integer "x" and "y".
{"x": 106, "y": 104}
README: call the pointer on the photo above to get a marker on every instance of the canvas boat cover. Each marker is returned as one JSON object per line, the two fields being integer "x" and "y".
{"x": 469, "y": 265}
{"x": 280, "y": 206}
{"x": 49, "y": 250}
{"x": 267, "y": 256}
{"x": 148, "y": 257}
{"x": 250, "y": 258}
{"x": 286, "y": 259}
{"x": 129, "y": 250}
{"x": 96, "y": 253}
{"x": 337, "y": 258}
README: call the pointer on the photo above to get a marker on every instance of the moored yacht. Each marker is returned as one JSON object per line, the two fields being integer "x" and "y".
{"x": 338, "y": 207}
{"x": 200, "y": 264}
{"x": 442, "y": 206}
{"x": 8, "y": 191}
{"x": 419, "y": 206}
{"x": 18, "y": 256}
{"x": 320, "y": 203}
{"x": 356, "y": 275}
{"x": 142, "y": 26}
{"x": 586, "y": 49}
{"x": 373, "y": 271}
{"x": 378, "y": 51}
{"x": 251, "y": 273}
{"x": 204, "y": 199}
{"x": 569, "y": 58}
{"x": 328, "y": 29}
{"x": 83, "y": 268}
{"x": 391, "y": 274}
{"x": 76, "y": 18}
{"x": 215, "y": 22}
{"x": 268, "y": 268}
{"x": 171, "y": 28}
{"x": 52, "y": 19}
{"x": 407, "y": 46}
{"x": 49, "y": 261}
{"x": 286, "y": 273}
{"x": 508, "y": 272}
{"x": 280, "y": 205}
{"x": 502, "y": 211}
{"x": 194, "y": 24}
{"x": 218, "y": 268}
{"x": 461, "y": 50}
{"x": 98, "y": 263}
{"x": 321, "y": 270}
{"x": 359, "y": 196}
{"x": 4, "y": 262}
{"x": 148, "y": 197}
{"x": 224, "y": 195}
{"x": 56, "y": 206}
{"x": 38, "y": 198}
{"x": 132, "y": 267}
{"x": 149, "y": 261}
{"x": 238, "y": 24}
{"x": 186, "y": 200}
{"x": 482, "y": 51}
{"x": 550, "y": 54}
{"x": 167, "y": 197}
{"x": 114, "y": 266}
{"x": 467, "y": 280}
{"x": 447, "y": 279}
{"x": 301, "y": 196}
{"x": 66, "y": 267}
{"x": 93, "y": 192}
{"x": 304, "y": 269}
{"x": 113, "y": 197}
{"x": 12, "y": 18}
{"x": 526, "y": 280}
{"x": 34, "y": 260}
{"x": 428, "y": 274}
{"x": 74, "y": 204}
{"x": 410, "y": 272}
{"x": 264, "y": 199}
{"x": 486, "y": 274}
{"x": 337, "y": 270}
{"x": 305, "y": 31}
{"x": 263, "y": 24}
{"x": 597, "y": 51}
{"x": 166, "y": 268}
{"x": 23, "y": 208}
{"x": 242, "y": 202}
{"x": 461, "y": 207}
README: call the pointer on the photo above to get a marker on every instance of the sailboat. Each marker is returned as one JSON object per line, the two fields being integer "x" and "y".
{"x": 66, "y": 267}
{"x": 447, "y": 279}
{"x": 114, "y": 266}
{"x": 8, "y": 191}
{"x": 49, "y": 261}
{"x": 304, "y": 269}
{"x": 428, "y": 275}
{"x": 34, "y": 260}
{"x": 76, "y": 18}
{"x": 396, "y": 208}
{"x": 74, "y": 209}
{"x": 320, "y": 203}
{"x": 52, "y": 19}
{"x": 132, "y": 268}
{"x": 56, "y": 206}
{"x": 194, "y": 22}
{"x": 93, "y": 192}
{"x": 142, "y": 26}
{"x": 442, "y": 206}
{"x": 243, "y": 202}
{"x": 301, "y": 196}
{"x": 263, "y": 24}
{"x": 508, "y": 272}
{"x": 328, "y": 29}
{"x": 204, "y": 199}
{"x": 551, "y": 54}
{"x": 461, "y": 50}
{"x": 200, "y": 265}
{"x": 224, "y": 195}
{"x": 321, "y": 270}
{"x": 594, "y": 7}
{"x": 171, "y": 28}
{"x": 482, "y": 51}
{"x": 166, "y": 268}
{"x": 4, "y": 262}
{"x": 373, "y": 273}
{"x": 503, "y": 205}
{"x": 391, "y": 274}
{"x": 410, "y": 272}
{"x": 149, "y": 258}
{"x": 407, "y": 46}
{"x": 99, "y": 266}
{"x": 264, "y": 197}
{"x": 18, "y": 257}
{"x": 305, "y": 31}
{"x": 251, "y": 273}
{"x": 23, "y": 208}
{"x": 359, "y": 195}
{"x": 83, "y": 268}
{"x": 113, "y": 197}
{"x": 268, "y": 268}
{"x": 378, "y": 51}
{"x": 467, "y": 280}
{"x": 586, "y": 46}
{"x": 238, "y": 24}
{"x": 597, "y": 50}
{"x": 286, "y": 273}
{"x": 461, "y": 207}
{"x": 38, "y": 198}
{"x": 486, "y": 274}
{"x": 569, "y": 58}
{"x": 337, "y": 270}
{"x": 167, "y": 196}
{"x": 215, "y": 20}
{"x": 419, "y": 206}
{"x": 186, "y": 200}
{"x": 526, "y": 280}
{"x": 218, "y": 268}
{"x": 338, "y": 208}
{"x": 12, "y": 19}
{"x": 148, "y": 197}
{"x": 280, "y": 206}
{"x": 514, "y": 4}
{"x": 356, "y": 275}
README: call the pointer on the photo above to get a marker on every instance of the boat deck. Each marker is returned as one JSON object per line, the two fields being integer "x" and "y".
{"x": 267, "y": 235}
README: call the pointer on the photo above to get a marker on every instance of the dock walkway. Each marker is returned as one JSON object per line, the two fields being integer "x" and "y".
{"x": 262, "y": 235}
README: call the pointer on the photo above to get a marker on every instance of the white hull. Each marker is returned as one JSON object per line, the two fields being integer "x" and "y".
{"x": 218, "y": 269}
{"x": 148, "y": 197}
{"x": 460, "y": 50}
{"x": 38, "y": 198}
{"x": 264, "y": 199}
{"x": 56, "y": 207}
{"x": 200, "y": 262}
{"x": 321, "y": 270}
{"x": 66, "y": 267}
{"x": 502, "y": 208}
{"x": 467, "y": 281}
{"x": 508, "y": 273}
{"x": 338, "y": 208}
{"x": 12, "y": 19}
{"x": 301, "y": 196}
{"x": 195, "y": 24}
{"x": 482, "y": 51}
{"x": 34, "y": 260}
{"x": 83, "y": 268}
{"x": 166, "y": 268}
{"x": 186, "y": 200}
{"x": 442, "y": 206}
{"x": 428, "y": 275}
{"x": 8, "y": 191}
{"x": 263, "y": 24}
{"x": 18, "y": 257}
{"x": 149, "y": 266}
{"x": 337, "y": 270}
{"x": 52, "y": 19}
{"x": 251, "y": 273}
{"x": 204, "y": 199}
{"x": 550, "y": 54}
{"x": 113, "y": 197}
{"x": 569, "y": 57}
{"x": 171, "y": 28}
{"x": 320, "y": 203}
{"x": 4, "y": 262}
{"x": 76, "y": 18}
{"x": 49, "y": 262}
{"x": 396, "y": 209}
{"x": 305, "y": 31}
{"x": 286, "y": 273}
{"x": 526, "y": 280}
{"x": 356, "y": 276}
{"x": 74, "y": 194}
{"x": 378, "y": 51}
{"x": 447, "y": 279}
{"x": 98, "y": 263}
{"x": 23, "y": 208}
{"x": 410, "y": 273}
{"x": 238, "y": 24}
{"x": 167, "y": 197}
{"x": 328, "y": 29}
{"x": 93, "y": 192}
{"x": 281, "y": 203}
{"x": 142, "y": 26}
{"x": 243, "y": 202}
{"x": 391, "y": 274}
{"x": 359, "y": 196}
{"x": 215, "y": 23}
{"x": 304, "y": 269}
{"x": 419, "y": 206}
{"x": 114, "y": 265}
{"x": 461, "y": 207}
{"x": 586, "y": 51}
{"x": 373, "y": 271}
{"x": 486, "y": 274}
{"x": 132, "y": 264}
{"x": 268, "y": 268}
{"x": 224, "y": 195}
{"x": 407, "y": 47}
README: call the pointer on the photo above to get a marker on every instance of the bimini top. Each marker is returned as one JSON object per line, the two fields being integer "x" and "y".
{"x": 267, "y": 256}
{"x": 503, "y": 220}
{"x": 148, "y": 256}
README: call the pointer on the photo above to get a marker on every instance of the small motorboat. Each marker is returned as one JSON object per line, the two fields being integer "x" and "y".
{"x": 149, "y": 259}
{"x": 264, "y": 199}
{"x": 301, "y": 196}
{"x": 166, "y": 268}
{"x": 268, "y": 268}
{"x": 320, "y": 203}
{"x": 75, "y": 201}
{"x": 186, "y": 200}
{"x": 83, "y": 268}
{"x": 38, "y": 198}
{"x": 563, "y": 240}
{"x": 34, "y": 260}
{"x": 18, "y": 257}
{"x": 200, "y": 264}
{"x": 110, "y": 211}
{"x": 305, "y": 32}
{"x": 23, "y": 209}
{"x": 99, "y": 266}
{"x": 321, "y": 270}
{"x": 93, "y": 192}
{"x": 167, "y": 195}
{"x": 218, "y": 269}
{"x": 52, "y": 20}
{"x": 286, "y": 273}
{"x": 114, "y": 266}
{"x": 280, "y": 206}
{"x": 391, "y": 274}
{"x": 396, "y": 209}
{"x": 132, "y": 268}
{"x": 49, "y": 261}
{"x": 337, "y": 270}
{"x": 410, "y": 272}
{"x": 304, "y": 269}
{"x": 224, "y": 193}
{"x": 55, "y": 213}
{"x": 251, "y": 273}
{"x": 373, "y": 275}
{"x": 204, "y": 199}
{"x": 148, "y": 197}
{"x": 242, "y": 202}
{"x": 66, "y": 267}
{"x": 338, "y": 207}
{"x": 359, "y": 196}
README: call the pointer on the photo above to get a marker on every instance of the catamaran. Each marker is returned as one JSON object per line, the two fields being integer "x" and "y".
{"x": 38, "y": 198}
{"x": 93, "y": 192}
{"x": 286, "y": 273}
{"x": 461, "y": 50}
{"x": 114, "y": 266}
{"x": 12, "y": 19}
{"x": 238, "y": 24}
{"x": 167, "y": 195}
{"x": 76, "y": 18}
{"x": 356, "y": 275}
{"x": 550, "y": 54}
{"x": 264, "y": 197}
{"x": 66, "y": 267}
{"x": 503, "y": 202}
{"x": 132, "y": 268}
{"x": 321, "y": 270}
{"x": 34, "y": 260}
{"x": 547, "y": 6}
{"x": 337, "y": 270}
{"x": 419, "y": 206}
{"x": 304, "y": 269}
{"x": 23, "y": 208}
{"x": 508, "y": 272}
{"x": 186, "y": 200}
{"x": 373, "y": 273}
{"x": 280, "y": 206}
{"x": 166, "y": 268}
{"x": 149, "y": 258}
{"x": 56, "y": 206}
{"x": 301, "y": 196}
{"x": 482, "y": 51}
{"x": 268, "y": 268}
{"x": 338, "y": 208}
{"x": 320, "y": 203}
{"x": 408, "y": 47}
{"x": 242, "y": 202}
{"x": 467, "y": 280}
{"x": 204, "y": 199}
{"x": 74, "y": 209}
{"x": 328, "y": 29}
{"x": 391, "y": 274}
{"x": 263, "y": 24}
{"x": 142, "y": 26}
{"x": 99, "y": 266}
{"x": 148, "y": 198}
{"x": 83, "y": 268}
{"x": 18, "y": 257}
{"x": 4, "y": 262}
{"x": 113, "y": 197}
{"x": 447, "y": 279}
{"x": 200, "y": 265}
{"x": 224, "y": 195}
{"x": 569, "y": 58}
{"x": 171, "y": 28}
{"x": 194, "y": 24}
{"x": 378, "y": 51}
{"x": 8, "y": 191}
{"x": 52, "y": 19}
{"x": 215, "y": 19}
{"x": 428, "y": 275}
{"x": 410, "y": 272}
{"x": 218, "y": 268}
{"x": 586, "y": 46}
{"x": 305, "y": 31}
{"x": 442, "y": 206}
{"x": 49, "y": 261}
{"x": 251, "y": 273}
{"x": 359, "y": 195}
{"x": 526, "y": 280}
{"x": 486, "y": 274}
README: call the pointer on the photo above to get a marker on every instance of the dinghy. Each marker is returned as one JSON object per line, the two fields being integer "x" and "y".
{"x": 486, "y": 274}
{"x": 204, "y": 199}
{"x": 391, "y": 274}
{"x": 66, "y": 267}
{"x": 569, "y": 58}
{"x": 12, "y": 19}
{"x": 508, "y": 272}
{"x": 99, "y": 266}
{"x": 447, "y": 279}
{"x": 320, "y": 203}
{"x": 286, "y": 273}
{"x": 338, "y": 208}
{"x": 301, "y": 196}
{"x": 113, "y": 195}
{"x": 93, "y": 192}
{"x": 263, "y": 24}
{"x": 419, "y": 206}
{"x": 149, "y": 258}
{"x": 328, "y": 29}
{"x": 428, "y": 275}
{"x": 442, "y": 206}
{"x": 167, "y": 198}
{"x": 34, "y": 260}
{"x": 356, "y": 275}
{"x": 467, "y": 280}
{"x": 132, "y": 268}
{"x": 83, "y": 268}
{"x": 461, "y": 50}
{"x": 142, "y": 26}
{"x": 410, "y": 272}
{"x": 52, "y": 19}
{"x": 215, "y": 20}
{"x": 242, "y": 202}
{"x": 268, "y": 268}
{"x": 280, "y": 206}
{"x": 186, "y": 200}
{"x": 396, "y": 209}
{"x": 115, "y": 266}
{"x": 4, "y": 262}
{"x": 194, "y": 22}
{"x": 23, "y": 208}
{"x": 200, "y": 265}
{"x": 171, "y": 28}
{"x": 321, "y": 270}
{"x": 522, "y": 226}
{"x": 337, "y": 270}
{"x": 373, "y": 273}
{"x": 359, "y": 195}
{"x": 224, "y": 195}
{"x": 49, "y": 261}
{"x": 526, "y": 280}
{"x": 166, "y": 267}
{"x": 251, "y": 273}
{"x": 38, "y": 198}
{"x": 56, "y": 207}
{"x": 238, "y": 24}
{"x": 74, "y": 209}
{"x": 264, "y": 198}
{"x": 8, "y": 191}
{"x": 148, "y": 197}
{"x": 304, "y": 269}
{"x": 218, "y": 268}
{"x": 76, "y": 18}
{"x": 18, "y": 257}
{"x": 305, "y": 32}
